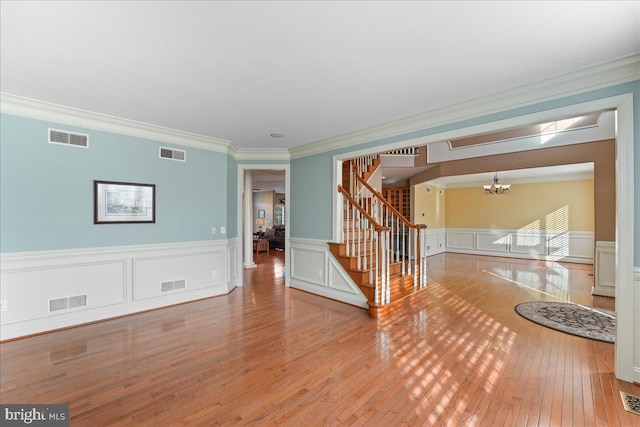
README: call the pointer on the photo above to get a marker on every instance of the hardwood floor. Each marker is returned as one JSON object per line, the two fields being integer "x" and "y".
{"x": 266, "y": 354}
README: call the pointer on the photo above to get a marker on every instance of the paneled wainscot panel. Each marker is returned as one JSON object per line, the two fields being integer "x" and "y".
{"x": 27, "y": 291}
{"x": 193, "y": 271}
{"x": 48, "y": 290}
{"x": 569, "y": 246}
{"x": 314, "y": 270}
{"x": 495, "y": 242}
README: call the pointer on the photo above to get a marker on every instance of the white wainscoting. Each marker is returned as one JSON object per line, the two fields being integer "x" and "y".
{"x": 636, "y": 324}
{"x": 116, "y": 281}
{"x": 434, "y": 241}
{"x": 314, "y": 270}
{"x": 570, "y": 246}
{"x": 604, "y": 268}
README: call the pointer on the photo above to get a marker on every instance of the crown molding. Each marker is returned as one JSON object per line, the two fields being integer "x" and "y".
{"x": 611, "y": 73}
{"x": 262, "y": 154}
{"x": 40, "y": 110}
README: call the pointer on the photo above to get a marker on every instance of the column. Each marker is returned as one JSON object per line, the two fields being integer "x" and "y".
{"x": 248, "y": 221}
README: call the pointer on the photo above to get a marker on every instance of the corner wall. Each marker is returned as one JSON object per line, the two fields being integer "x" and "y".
{"x": 52, "y": 251}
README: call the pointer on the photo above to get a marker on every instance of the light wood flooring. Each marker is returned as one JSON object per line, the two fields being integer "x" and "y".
{"x": 266, "y": 354}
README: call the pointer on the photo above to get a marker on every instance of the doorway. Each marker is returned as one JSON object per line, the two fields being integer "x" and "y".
{"x": 264, "y": 216}
{"x": 624, "y": 243}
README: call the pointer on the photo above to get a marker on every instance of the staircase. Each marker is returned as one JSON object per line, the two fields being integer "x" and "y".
{"x": 380, "y": 249}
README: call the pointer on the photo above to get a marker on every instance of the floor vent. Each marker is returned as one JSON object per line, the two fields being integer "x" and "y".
{"x": 67, "y": 302}
{"x": 630, "y": 402}
{"x": 173, "y": 285}
{"x": 68, "y": 138}
{"x": 173, "y": 154}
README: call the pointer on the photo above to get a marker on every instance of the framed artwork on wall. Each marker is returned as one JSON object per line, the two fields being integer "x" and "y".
{"x": 260, "y": 213}
{"x": 123, "y": 203}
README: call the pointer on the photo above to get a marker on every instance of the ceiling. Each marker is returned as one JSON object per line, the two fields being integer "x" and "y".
{"x": 241, "y": 71}
{"x": 268, "y": 180}
{"x": 519, "y": 176}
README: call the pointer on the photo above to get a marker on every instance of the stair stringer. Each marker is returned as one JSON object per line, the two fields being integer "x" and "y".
{"x": 339, "y": 279}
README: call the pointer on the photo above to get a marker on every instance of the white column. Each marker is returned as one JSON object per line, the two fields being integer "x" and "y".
{"x": 248, "y": 221}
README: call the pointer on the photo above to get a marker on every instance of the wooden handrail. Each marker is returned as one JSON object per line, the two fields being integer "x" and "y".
{"x": 353, "y": 201}
{"x": 387, "y": 204}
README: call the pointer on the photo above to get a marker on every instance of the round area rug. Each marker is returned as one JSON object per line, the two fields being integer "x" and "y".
{"x": 588, "y": 322}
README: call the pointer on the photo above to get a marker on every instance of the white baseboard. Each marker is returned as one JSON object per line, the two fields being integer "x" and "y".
{"x": 112, "y": 281}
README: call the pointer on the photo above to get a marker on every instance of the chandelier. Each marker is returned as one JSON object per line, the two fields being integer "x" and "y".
{"x": 496, "y": 187}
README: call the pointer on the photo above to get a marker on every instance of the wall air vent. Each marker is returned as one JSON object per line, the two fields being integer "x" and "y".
{"x": 64, "y": 137}
{"x": 173, "y": 154}
{"x": 67, "y": 302}
{"x": 173, "y": 285}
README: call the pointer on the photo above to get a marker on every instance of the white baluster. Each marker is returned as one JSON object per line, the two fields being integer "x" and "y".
{"x": 358, "y": 251}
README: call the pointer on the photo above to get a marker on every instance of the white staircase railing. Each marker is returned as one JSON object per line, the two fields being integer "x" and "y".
{"x": 406, "y": 239}
{"x": 368, "y": 242}
{"x": 378, "y": 236}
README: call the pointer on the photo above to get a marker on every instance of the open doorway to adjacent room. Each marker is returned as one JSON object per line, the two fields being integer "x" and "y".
{"x": 262, "y": 220}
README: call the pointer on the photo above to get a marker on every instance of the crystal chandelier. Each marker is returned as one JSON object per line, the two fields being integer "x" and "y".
{"x": 496, "y": 187}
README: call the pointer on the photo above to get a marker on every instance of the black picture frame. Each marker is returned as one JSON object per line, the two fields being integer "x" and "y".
{"x": 123, "y": 203}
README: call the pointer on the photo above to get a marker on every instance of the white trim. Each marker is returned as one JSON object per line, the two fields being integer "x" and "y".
{"x": 40, "y": 110}
{"x": 261, "y": 154}
{"x": 627, "y": 331}
{"x": 608, "y": 74}
{"x": 240, "y": 211}
{"x": 125, "y": 280}
{"x": 604, "y": 269}
{"x": 58, "y": 256}
{"x": 333, "y": 273}
{"x": 636, "y": 322}
{"x": 537, "y": 245}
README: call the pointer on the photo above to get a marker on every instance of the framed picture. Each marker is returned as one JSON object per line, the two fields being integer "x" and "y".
{"x": 260, "y": 213}
{"x": 123, "y": 203}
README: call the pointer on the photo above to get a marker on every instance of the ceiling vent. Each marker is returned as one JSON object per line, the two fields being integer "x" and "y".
{"x": 173, "y": 154}
{"x": 64, "y": 137}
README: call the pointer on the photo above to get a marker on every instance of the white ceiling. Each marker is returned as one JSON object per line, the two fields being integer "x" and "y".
{"x": 240, "y": 71}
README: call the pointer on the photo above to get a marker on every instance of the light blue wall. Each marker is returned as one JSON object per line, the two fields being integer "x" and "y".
{"x": 311, "y": 175}
{"x": 311, "y": 193}
{"x": 46, "y": 197}
{"x": 232, "y": 197}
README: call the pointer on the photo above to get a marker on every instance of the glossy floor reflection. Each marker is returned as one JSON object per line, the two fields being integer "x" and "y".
{"x": 266, "y": 354}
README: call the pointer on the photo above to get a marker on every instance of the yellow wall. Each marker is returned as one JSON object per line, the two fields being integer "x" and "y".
{"x": 429, "y": 208}
{"x": 561, "y": 205}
